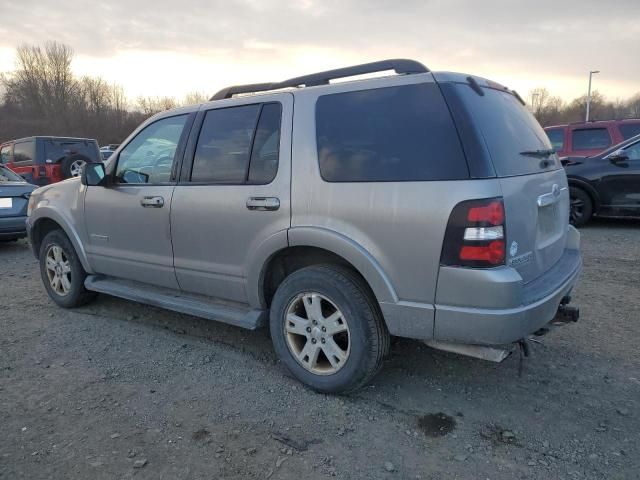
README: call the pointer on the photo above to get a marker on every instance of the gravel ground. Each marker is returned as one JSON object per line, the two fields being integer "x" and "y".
{"x": 120, "y": 390}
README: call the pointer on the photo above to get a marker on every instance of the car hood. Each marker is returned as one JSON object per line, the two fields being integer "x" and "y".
{"x": 15, "y": 189}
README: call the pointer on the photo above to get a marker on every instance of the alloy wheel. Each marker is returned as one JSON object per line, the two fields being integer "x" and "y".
{"x": 317, "y": 333}
{"x": 76, "y": 168}
{"x": 58, "y": 270}
{"x": 576, "y": 209}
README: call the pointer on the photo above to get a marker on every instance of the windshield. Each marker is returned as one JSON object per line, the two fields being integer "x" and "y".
{"x": 517, "y": 143}
{"x": 7, "y": 175}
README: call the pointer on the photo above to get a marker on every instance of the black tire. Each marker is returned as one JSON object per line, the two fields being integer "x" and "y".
{"x": 581, "y": 207}
{"x": 369, "y": 338}
{"x": 66, "y": 164}
{"x": 77, "y": 295}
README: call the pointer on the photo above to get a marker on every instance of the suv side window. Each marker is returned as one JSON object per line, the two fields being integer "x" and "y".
{"x": 24, "y": 152}
{"x": 629, "y": 130}
{"x": 238, "y": 145}
{"x": 402, "y": 133}
{"x": 556, "y": 137}
{"x": 590, "y": 138}
{"x": 633, "y": 151}
{"x": 5, "y": 154}
{"x": 149, "y": 157}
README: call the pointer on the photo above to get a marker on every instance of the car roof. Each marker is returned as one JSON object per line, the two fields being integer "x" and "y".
{"x": 602, "y": 123}
{"x": 50, "y": 137}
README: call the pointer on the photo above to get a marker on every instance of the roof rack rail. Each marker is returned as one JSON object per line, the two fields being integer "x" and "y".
{"x": 400, "y": 66}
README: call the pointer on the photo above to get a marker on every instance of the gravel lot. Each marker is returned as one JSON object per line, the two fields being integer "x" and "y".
{"x": 120, "y": 390}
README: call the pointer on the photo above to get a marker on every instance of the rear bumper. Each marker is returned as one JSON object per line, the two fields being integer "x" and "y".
{"x": 13, "y": 227}
{"x": 487, "y": 306}
{"x": 484, "y": 326}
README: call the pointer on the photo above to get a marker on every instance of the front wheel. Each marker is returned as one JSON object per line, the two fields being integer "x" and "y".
{"x": 327, "y": 329}
{"x": 62, "y": 272}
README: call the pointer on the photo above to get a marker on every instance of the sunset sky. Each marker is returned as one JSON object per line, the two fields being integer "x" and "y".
{"x": 161, "y": 47}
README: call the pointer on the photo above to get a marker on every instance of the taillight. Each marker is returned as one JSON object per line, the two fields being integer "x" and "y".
{"x": 475, "y": 235}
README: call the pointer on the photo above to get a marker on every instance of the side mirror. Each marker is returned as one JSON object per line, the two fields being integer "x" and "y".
{"x": 618, "y": 156}
{"x": 93, "y": 174}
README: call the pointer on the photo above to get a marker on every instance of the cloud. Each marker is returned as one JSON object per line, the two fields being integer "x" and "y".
{"x": 561, "y": 39}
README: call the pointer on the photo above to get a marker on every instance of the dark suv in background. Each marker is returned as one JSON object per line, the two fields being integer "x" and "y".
{"x": 45, "y": 160}
{"x": 584, "y": 139}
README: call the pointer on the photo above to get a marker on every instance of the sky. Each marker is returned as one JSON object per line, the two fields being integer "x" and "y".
{"x": 171, "y": 48}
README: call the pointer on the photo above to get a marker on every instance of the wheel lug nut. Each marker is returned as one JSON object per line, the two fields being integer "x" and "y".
{"x": 323, "y": 340}
{"x": 313, "y": 340}
{"x": 324, "y": 329}
{"x": 309, "y": 329}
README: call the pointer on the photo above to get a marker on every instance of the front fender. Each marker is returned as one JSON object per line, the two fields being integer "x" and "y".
{"x": 65, "y": 209}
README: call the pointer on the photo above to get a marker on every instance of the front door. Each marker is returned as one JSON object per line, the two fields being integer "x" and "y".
{"x": 128, "y": 230}
{"x": 620, "y": 185}
{"x": 233, "y": 195}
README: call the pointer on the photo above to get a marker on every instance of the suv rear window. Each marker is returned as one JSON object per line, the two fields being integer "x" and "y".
{"x": 590, "y": 138}
{"x": 508, "y": 129}
{"x": 629, "y": 130}
{"x": 391, "y": 134}
{"x": 57, "y": 149}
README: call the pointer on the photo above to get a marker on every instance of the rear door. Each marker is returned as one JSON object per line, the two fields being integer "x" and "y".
{"x": 534, "y": 184}
{"x": 234, "y": 194}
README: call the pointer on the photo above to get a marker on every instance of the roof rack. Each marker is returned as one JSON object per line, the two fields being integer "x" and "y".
{"x": 400, "y": 66}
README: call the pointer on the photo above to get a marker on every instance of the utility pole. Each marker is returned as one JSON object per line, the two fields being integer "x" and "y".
{"x": 589, "y": 93}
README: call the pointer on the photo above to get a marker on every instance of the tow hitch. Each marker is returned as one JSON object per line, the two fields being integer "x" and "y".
{"x": 565, "y": 313}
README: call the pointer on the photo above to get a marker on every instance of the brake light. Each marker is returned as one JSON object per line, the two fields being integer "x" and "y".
{"x": 475, "y": 235}
{"x": 492, "y": 213}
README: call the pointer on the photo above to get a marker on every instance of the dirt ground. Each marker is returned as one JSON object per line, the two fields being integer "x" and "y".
{"x": 121, "y": 390}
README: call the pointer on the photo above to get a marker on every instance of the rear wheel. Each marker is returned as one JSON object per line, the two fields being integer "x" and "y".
{"x": 62, "y": 272}
{"x": 327, "y": 329}
{"x": 581, "y": 207}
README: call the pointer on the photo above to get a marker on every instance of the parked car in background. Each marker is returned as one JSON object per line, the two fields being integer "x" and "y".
{"x": 427, "y": 205}
{"x": 14, "y": 198}
{"x": 590, "y": 138}
{"x": 108, "y": 150}
{"x": 45, "y": 160}
{"x": 607, "y": 184}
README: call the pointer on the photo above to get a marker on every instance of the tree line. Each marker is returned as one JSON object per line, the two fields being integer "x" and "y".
{"x": 42, "y": 96}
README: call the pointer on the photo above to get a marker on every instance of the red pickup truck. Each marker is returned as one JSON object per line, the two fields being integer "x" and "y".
{"x": 590, "y": 138}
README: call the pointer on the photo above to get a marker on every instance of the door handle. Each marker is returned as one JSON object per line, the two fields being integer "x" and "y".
{"x": 263, "y": 203}
{"x": 152, "y": 202}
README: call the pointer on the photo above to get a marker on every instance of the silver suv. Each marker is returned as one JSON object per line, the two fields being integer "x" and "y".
{"x": 427, "y": 205}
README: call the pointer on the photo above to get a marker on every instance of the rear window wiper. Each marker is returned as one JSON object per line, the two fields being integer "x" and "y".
{"x": 539, "y": 153}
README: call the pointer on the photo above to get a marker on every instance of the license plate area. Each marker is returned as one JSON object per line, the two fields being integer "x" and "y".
{"x": 6, "y": 202}
{"x": 549, "y": 224}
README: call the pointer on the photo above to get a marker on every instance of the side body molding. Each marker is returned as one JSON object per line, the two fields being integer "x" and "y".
{"x": 349, "y": 250}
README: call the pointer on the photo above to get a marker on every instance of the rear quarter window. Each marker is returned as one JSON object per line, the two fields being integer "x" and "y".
{"x": 392, "y": 134}
{"x": 57, "y": 149}
{"x": 590, "y": 139}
